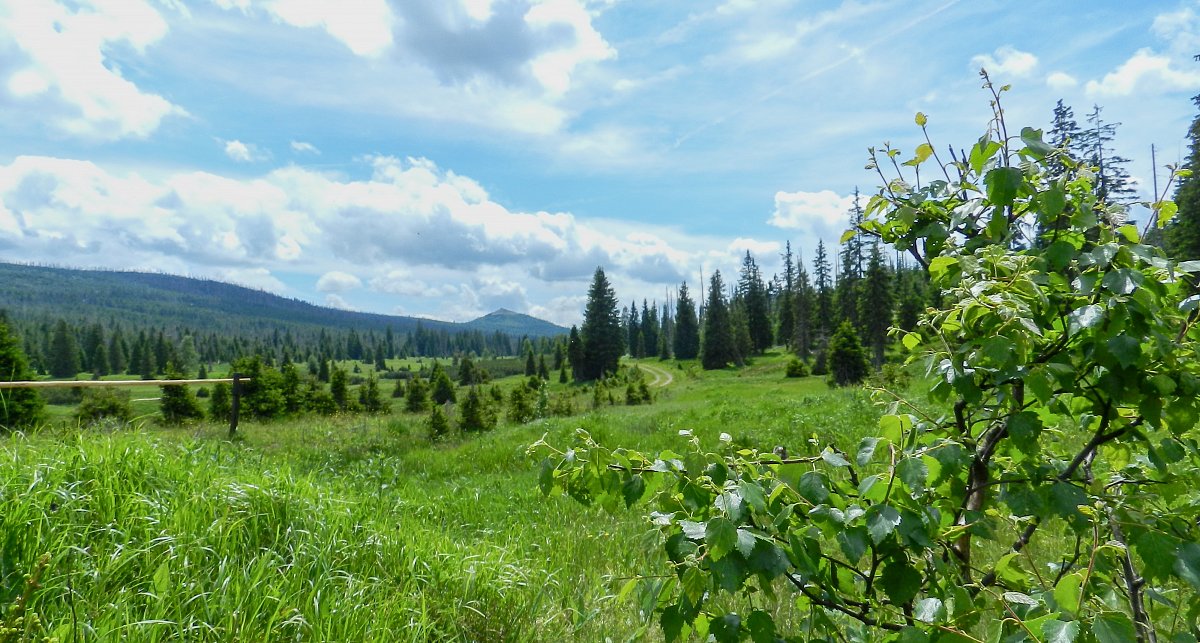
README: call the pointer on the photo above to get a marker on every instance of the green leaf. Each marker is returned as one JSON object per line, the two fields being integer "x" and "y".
{"x": 1066, "y": 593}
{"x": 1187, "y": 564}
{"x": 981, "y": 153}
{"x": 1002, "y": 185}
{"x": 1123, "y": 281}
{"x": 546, "y": 477}
{"x": 911, "y": 634}
{"x": 910, "y": 340}
{"x": 745, "y": 542}
{"x": 1055, "y": 631}
{"x": 812, "y": 488}
{"x": 162, "y": 579}
{"x": 761, "y": 627}
{"x": 921, "y": 119}
{"x": 633, "y": 489}
{"x": 672, "y": 623}
{"x": 1113, "y": 627}
{"x": 725, "y": 629}
{"x": 853, "y": 542}
{"x": 929, "y": 610}
{"x": 881, "y": 522}
{"x": 1025, "y": 427}
{"x": 1084, "y": 317}
{"x": 866, "y": 449}
{"x": 1126, "y": 349}
{"x": 848, "y": 235}
{"x": 1032, "y": 138}
{"x": 913, "y": 472}
{"x": 1158, "y": 553}
{"x": 1166, "y": 212}
{"x": 721, "y": 536}
{"x": 752, "y": 494}
{"x": 694, "y": 583}
{"x": 940, "y": 266}
{"x": 900, "y": 581}
{"x": 833, "y": 458}
{"x": 1020, "y": 599}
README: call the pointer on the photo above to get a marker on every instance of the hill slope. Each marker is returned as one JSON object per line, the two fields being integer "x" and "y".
{"x": 38, "y": 292}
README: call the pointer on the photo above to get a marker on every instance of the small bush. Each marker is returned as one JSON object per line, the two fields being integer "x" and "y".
{"x": 101, "y": 403}
{"x": 797, "y": 368}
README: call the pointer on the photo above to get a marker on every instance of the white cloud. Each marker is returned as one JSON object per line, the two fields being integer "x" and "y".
{"x": 1060, "y": 80}
{"x": 1144, "y": 71}
{"x": 364, "y": 26}
{"x": 336, "y": 301}
{"x": 553, "y": 68}
{"x": 1180, "y": 30}
{"x": 1007, "y": 61}
{"x": 301, "y": 147}
{"x": 820, "y": 214}
{"x": 259, "y": 278}
{"x": 67, "y": 66}
{"x": 241, "y": 152}
{"x": 336, "y": 281}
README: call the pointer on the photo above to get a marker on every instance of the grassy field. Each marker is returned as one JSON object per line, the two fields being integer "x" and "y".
{"x": 358, "y": 528}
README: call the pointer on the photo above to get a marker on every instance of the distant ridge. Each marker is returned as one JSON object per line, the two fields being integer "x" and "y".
{"x": 40, "y": 292}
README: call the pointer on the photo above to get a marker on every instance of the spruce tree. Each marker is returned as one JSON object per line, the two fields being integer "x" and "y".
{"x": 118, "y": 352}
{"x": 601, "y": 332}
{"x": 847, "y": 359}
{"x": 1183, "y": 232}
{"x": 416, "y": 396}
{"x": 441, "y": 387}
{"x": 687, "y": 327}
{"x": 439, "y": 424}
{"x": 64, "y": 352}
{"x": 575, "y": 353}
{"x": 849, "y": 278}
{"x": 805, "y": 307}
{"x": 176, "y": 402}
{"x": 1113, "y": 184}
{"x": 877, "y": 304}
{"x": 339, "y": 388}
{"x": 474, "y": 414}
{"x": 220, "y": 403}
{"x": 370, "y": 397}
{"x": 717, "y": 348}
{"x": 786, "y": 306}
{"x": 823, "y": 297}
{"x": 1066, "y": 137}
{"x": 20, "y": 408}
{"x": 752, "y": 293}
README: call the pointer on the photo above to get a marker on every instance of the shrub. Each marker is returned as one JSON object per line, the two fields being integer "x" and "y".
{"x": 101, "y": 403}
{"x": 847, "y": 358}
{"x": 796, "y": 368}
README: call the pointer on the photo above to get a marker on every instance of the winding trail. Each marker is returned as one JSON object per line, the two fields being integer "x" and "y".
{"x": 662, "y": 377}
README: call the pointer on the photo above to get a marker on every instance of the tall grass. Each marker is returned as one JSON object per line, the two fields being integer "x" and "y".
{"x": 358, "y": 529}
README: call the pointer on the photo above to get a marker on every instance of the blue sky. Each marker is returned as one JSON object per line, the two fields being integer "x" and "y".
{"x": 445, "y": 158}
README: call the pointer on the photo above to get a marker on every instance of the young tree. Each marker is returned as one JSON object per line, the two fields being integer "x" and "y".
{"x": 717, "y": 348}
{"x": 20, "y": 408}
{"x": 601, "y": 332}
{"x": 177, "y": 403}
{"x": 1183, "y": 232}
{"x": 805, "y": 305}
{"x": 687, "y": 327}
{"x": 752, "y": 295}
{"x": 823, "y": 296}
{"x": 439, "y": 425}
{"x": 370, "y": 398}
{"x": 786, "y": 331}
{"x": 474, "y": 414}
{"x": 339, "y": 388}
{"x": 850, "y": 273}
{"x": 441, "y": 386}
{"x": 220, "y": 403}
{"x": 64, "y": 352}
{"x": 877, "y": 304}
{"x": 575, "y": 354}
{"x": 416, "y": 396}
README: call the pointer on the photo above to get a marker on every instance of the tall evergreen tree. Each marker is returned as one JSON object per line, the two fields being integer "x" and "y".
{"x": 20, "y": 408}
{"x": 633, "y": 329}
{"x": 717, "y": 347}
{"x": 1183, "y": 232}
{"x": 601, "y": 333}
{"x": 118, "y": 352}
{"x": 847, "y": 359}
{"x": 1066, "y": 137}
{"x": 64, "y": 351}
{"x": 805, "y": 307}
{"x": 575, "y": 353}
{"x": 687, "y": 327}
{"x": 877, "y": 304}
{"x": 752, "y": 293}
{"x": 850, "y": 271}
{"x": 786, "y": 306}
{"x": 339, "y": 388}
{"x": 649, "y": 324}
{"x": 823, "y": 291}
{"x": 1113, "y": 183}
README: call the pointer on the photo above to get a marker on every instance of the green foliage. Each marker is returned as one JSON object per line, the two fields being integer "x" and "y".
{"x": 220, "y": 403}
{"x": 475, "y": 414}
{"x": 20, "y": 408}
{"x": 262, "y": 391}
{"x": 438, "y": 425}
{"x": 847, "y": 358}
{"x": 441, "y": 386}
{"x": 717, "y": 347}
{"x": 520, "y": 404}
{"x": 416, "y": 396}
{"x": 64, "y": 352}
{"x": 339, "y": 388}
{"x": 104, "y": 403}
{"x": 796, "y": 368}
{"x": 177, "y": 403}
{"x": 687, "y": 327}
{"x": 370, "y": 398}
{"x": 601, "y": 336}
{"x": 1044, "y": 491}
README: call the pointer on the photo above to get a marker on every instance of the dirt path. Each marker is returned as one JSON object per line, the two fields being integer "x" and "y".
{"x": 662, "y": 377}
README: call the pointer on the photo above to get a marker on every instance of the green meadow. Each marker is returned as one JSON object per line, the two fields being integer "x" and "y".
{"x": 358, "y": 528}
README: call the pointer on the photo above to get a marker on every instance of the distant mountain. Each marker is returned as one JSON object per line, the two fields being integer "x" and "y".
{"x": 514, "y": 323}
{"x": 149, "y": 299}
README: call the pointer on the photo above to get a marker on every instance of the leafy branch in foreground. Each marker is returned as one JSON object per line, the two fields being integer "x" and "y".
{"x": 1053, "y": 493}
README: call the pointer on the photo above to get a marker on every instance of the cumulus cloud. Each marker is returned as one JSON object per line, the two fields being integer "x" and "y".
{"x": 1060, "y": 80}
{"x": 301, "y": 147}
{"x": 1006, "y": 61}
{"x": 64, "y": 70}
{"x": 363, "y": 26}
{"x": 409, "y": 229}
{"x": 336, "y": 281}
{"x": 242, "y": 152}
{"x": 821, "y": 214}
{"x": 1144, "y": 71}
{"x": 336, "y": 301}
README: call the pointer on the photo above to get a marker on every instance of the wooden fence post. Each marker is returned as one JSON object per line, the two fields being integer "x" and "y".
{"x": 236, "y": 405}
